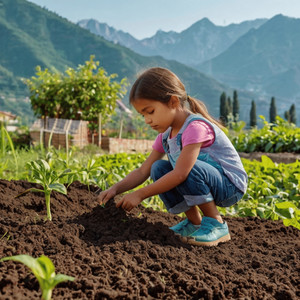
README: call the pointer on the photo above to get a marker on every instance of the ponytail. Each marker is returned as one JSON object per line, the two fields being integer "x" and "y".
{"x": 198, "y": 107}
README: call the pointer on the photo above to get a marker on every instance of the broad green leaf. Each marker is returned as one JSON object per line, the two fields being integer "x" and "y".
{"x": 58, "y": 187}
{"x": 47, "y": 265}
{"x": 61, "y": 278}
{"x": 267, "y": 162}
{"x": 28, "y": 261}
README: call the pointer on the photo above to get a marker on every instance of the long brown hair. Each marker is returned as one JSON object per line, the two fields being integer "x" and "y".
{"x": 160, "y": 84}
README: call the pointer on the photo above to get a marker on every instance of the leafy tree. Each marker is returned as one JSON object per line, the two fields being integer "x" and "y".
{"x": 273, "y": 110}
{"x": 236, "y": 107}
{"x": 253, "y": 119}
{"x": 83, "y": 93}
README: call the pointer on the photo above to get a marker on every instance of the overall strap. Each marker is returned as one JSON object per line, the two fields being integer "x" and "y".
{"x": 165, "y": 136}
{"x": 188, "y": 120}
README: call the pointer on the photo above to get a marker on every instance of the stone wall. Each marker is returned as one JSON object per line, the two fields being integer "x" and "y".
{"x": 116, "y": 145}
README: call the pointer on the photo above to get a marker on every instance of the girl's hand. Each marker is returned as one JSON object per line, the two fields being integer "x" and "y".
{"x": 106, "y": 195}
{"x": 129, "y": 201}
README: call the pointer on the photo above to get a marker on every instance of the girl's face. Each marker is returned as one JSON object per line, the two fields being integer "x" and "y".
{"x": 158, "y": 115}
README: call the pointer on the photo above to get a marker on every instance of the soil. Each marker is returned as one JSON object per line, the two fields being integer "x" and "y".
{"x": 117, "y": 255}
{"x": 282, "y": 157}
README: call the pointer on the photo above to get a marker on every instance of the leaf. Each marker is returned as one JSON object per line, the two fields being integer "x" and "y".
{"x": 292, "y": 222}
{"x": 28, "y": 261}
{"x": 58, "y": 187}
{"x": 61, "y": 278}
{"x": 47, "y": 266}
{"x": 29, "y": 190}
{"x": 267, "y": 162}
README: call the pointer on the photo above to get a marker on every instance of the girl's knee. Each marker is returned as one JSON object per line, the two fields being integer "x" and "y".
{"x": 159, "y": 168}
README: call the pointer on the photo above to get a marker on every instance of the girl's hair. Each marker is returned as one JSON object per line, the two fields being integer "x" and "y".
{"x": 160, "y": 84}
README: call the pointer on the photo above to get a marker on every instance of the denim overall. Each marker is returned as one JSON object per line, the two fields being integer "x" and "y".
{"x": 218, "y": 174}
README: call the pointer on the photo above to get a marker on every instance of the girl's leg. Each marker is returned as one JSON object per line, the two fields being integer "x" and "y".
{"x": 185, "y": 197}
{"x": 193, "y": 215}
{"x": 210, "y": 210}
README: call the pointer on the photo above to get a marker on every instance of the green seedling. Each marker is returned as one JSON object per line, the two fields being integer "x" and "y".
{"x": 5, "y": 236}
{"x": 44, "y": 271}
{"x": 48, "y": 178}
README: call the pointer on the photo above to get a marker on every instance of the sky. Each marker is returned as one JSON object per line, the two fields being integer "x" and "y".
{"x": 143, "y": 18}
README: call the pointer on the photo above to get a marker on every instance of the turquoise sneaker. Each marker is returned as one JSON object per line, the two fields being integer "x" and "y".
{"x": 210, "y": 233}
{"x": 184, "y": 228}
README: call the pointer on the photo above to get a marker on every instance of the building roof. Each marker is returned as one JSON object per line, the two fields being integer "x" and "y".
{"x": 7, "y": 114}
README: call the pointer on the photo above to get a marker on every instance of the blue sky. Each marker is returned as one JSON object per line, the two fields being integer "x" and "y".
{"x": 143, "y": 18}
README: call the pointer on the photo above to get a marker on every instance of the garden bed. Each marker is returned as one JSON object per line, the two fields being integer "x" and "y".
{"x": 283, "y": 157}
{"x": 116, "y": 255}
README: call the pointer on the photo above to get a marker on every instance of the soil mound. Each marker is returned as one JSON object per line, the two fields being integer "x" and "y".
{"x": 118, "y": 255}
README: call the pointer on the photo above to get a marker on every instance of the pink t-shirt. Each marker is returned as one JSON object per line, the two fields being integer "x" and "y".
{"x": 196, "y": 132}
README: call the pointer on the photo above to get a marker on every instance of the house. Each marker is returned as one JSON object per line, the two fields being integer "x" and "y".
{"x": 10, "y": 120}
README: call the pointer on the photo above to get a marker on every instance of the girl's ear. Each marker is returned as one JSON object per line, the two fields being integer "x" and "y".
{"x": 174, "y": 102}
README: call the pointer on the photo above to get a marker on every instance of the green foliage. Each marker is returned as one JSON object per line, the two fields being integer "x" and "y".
{"x": 83, "y": 93}
{"x": 38, "y": 37}
{"x": 273, "y": 192}
{"x": 280, "y": 136}
{"x": 44, "y": 271}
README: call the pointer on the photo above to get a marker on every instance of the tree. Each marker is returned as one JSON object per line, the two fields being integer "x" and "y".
{"x": 287, "y": 116}
{"x": 236, "y": 107}
{"x": 223, "y": 108}
{"x": 292, "y": 114}
{"x": 273, "y": 110}
{"x": 229, "y": 107}
{"x": 253, "y": 119}
{"x": 84, "y": 93}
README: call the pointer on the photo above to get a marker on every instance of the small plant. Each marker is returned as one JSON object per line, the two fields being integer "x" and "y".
{"x": 48, "y": 178}
{"x": 44, "y": 271}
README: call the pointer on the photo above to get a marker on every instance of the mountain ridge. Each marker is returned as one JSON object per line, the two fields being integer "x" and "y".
{"x": 31, "y": 36}
{"x": 205, "y": 39}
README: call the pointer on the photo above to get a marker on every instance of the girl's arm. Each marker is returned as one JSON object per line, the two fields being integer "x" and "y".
{"x": 132, "y": 180}
{"x": 184, "y": 165}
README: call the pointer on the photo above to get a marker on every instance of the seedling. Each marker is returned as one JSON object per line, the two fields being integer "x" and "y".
{"x": 48, "y": 178}
{"x": 5, "y": 236}
{"x": 44, "y": 271}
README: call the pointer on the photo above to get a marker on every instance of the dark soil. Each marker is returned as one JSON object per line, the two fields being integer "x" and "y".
{"x": 282, "y": 157}
{"x": 115, "y": 255}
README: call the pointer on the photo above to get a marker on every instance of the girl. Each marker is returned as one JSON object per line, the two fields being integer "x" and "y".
{"x": 203, "y": 168}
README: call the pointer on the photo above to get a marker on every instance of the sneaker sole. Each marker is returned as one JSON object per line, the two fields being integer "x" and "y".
{"x": 192, "y": 241}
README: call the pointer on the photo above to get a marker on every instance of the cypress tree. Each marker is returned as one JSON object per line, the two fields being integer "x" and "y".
{"x": 236, "y": 107}
{"x": 223, "y": 108}
{"x": 229, "y": 106}
{"x": 273, "y": 110}
{"x": 253, "y": 120}
{"x": 292, "y": 114}
{"x": 287, "y": 116}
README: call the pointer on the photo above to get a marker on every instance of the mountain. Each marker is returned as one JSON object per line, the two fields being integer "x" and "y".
{"x": 265, "y": 60}
{"x": 31, "y": 36}
{"x": 198, "y": 43}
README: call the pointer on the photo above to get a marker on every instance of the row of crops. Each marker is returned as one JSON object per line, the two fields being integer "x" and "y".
{"x": 273, "y": 190}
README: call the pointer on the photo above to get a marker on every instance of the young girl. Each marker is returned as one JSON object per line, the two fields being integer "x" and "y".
{"x": 203, "y": 168}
